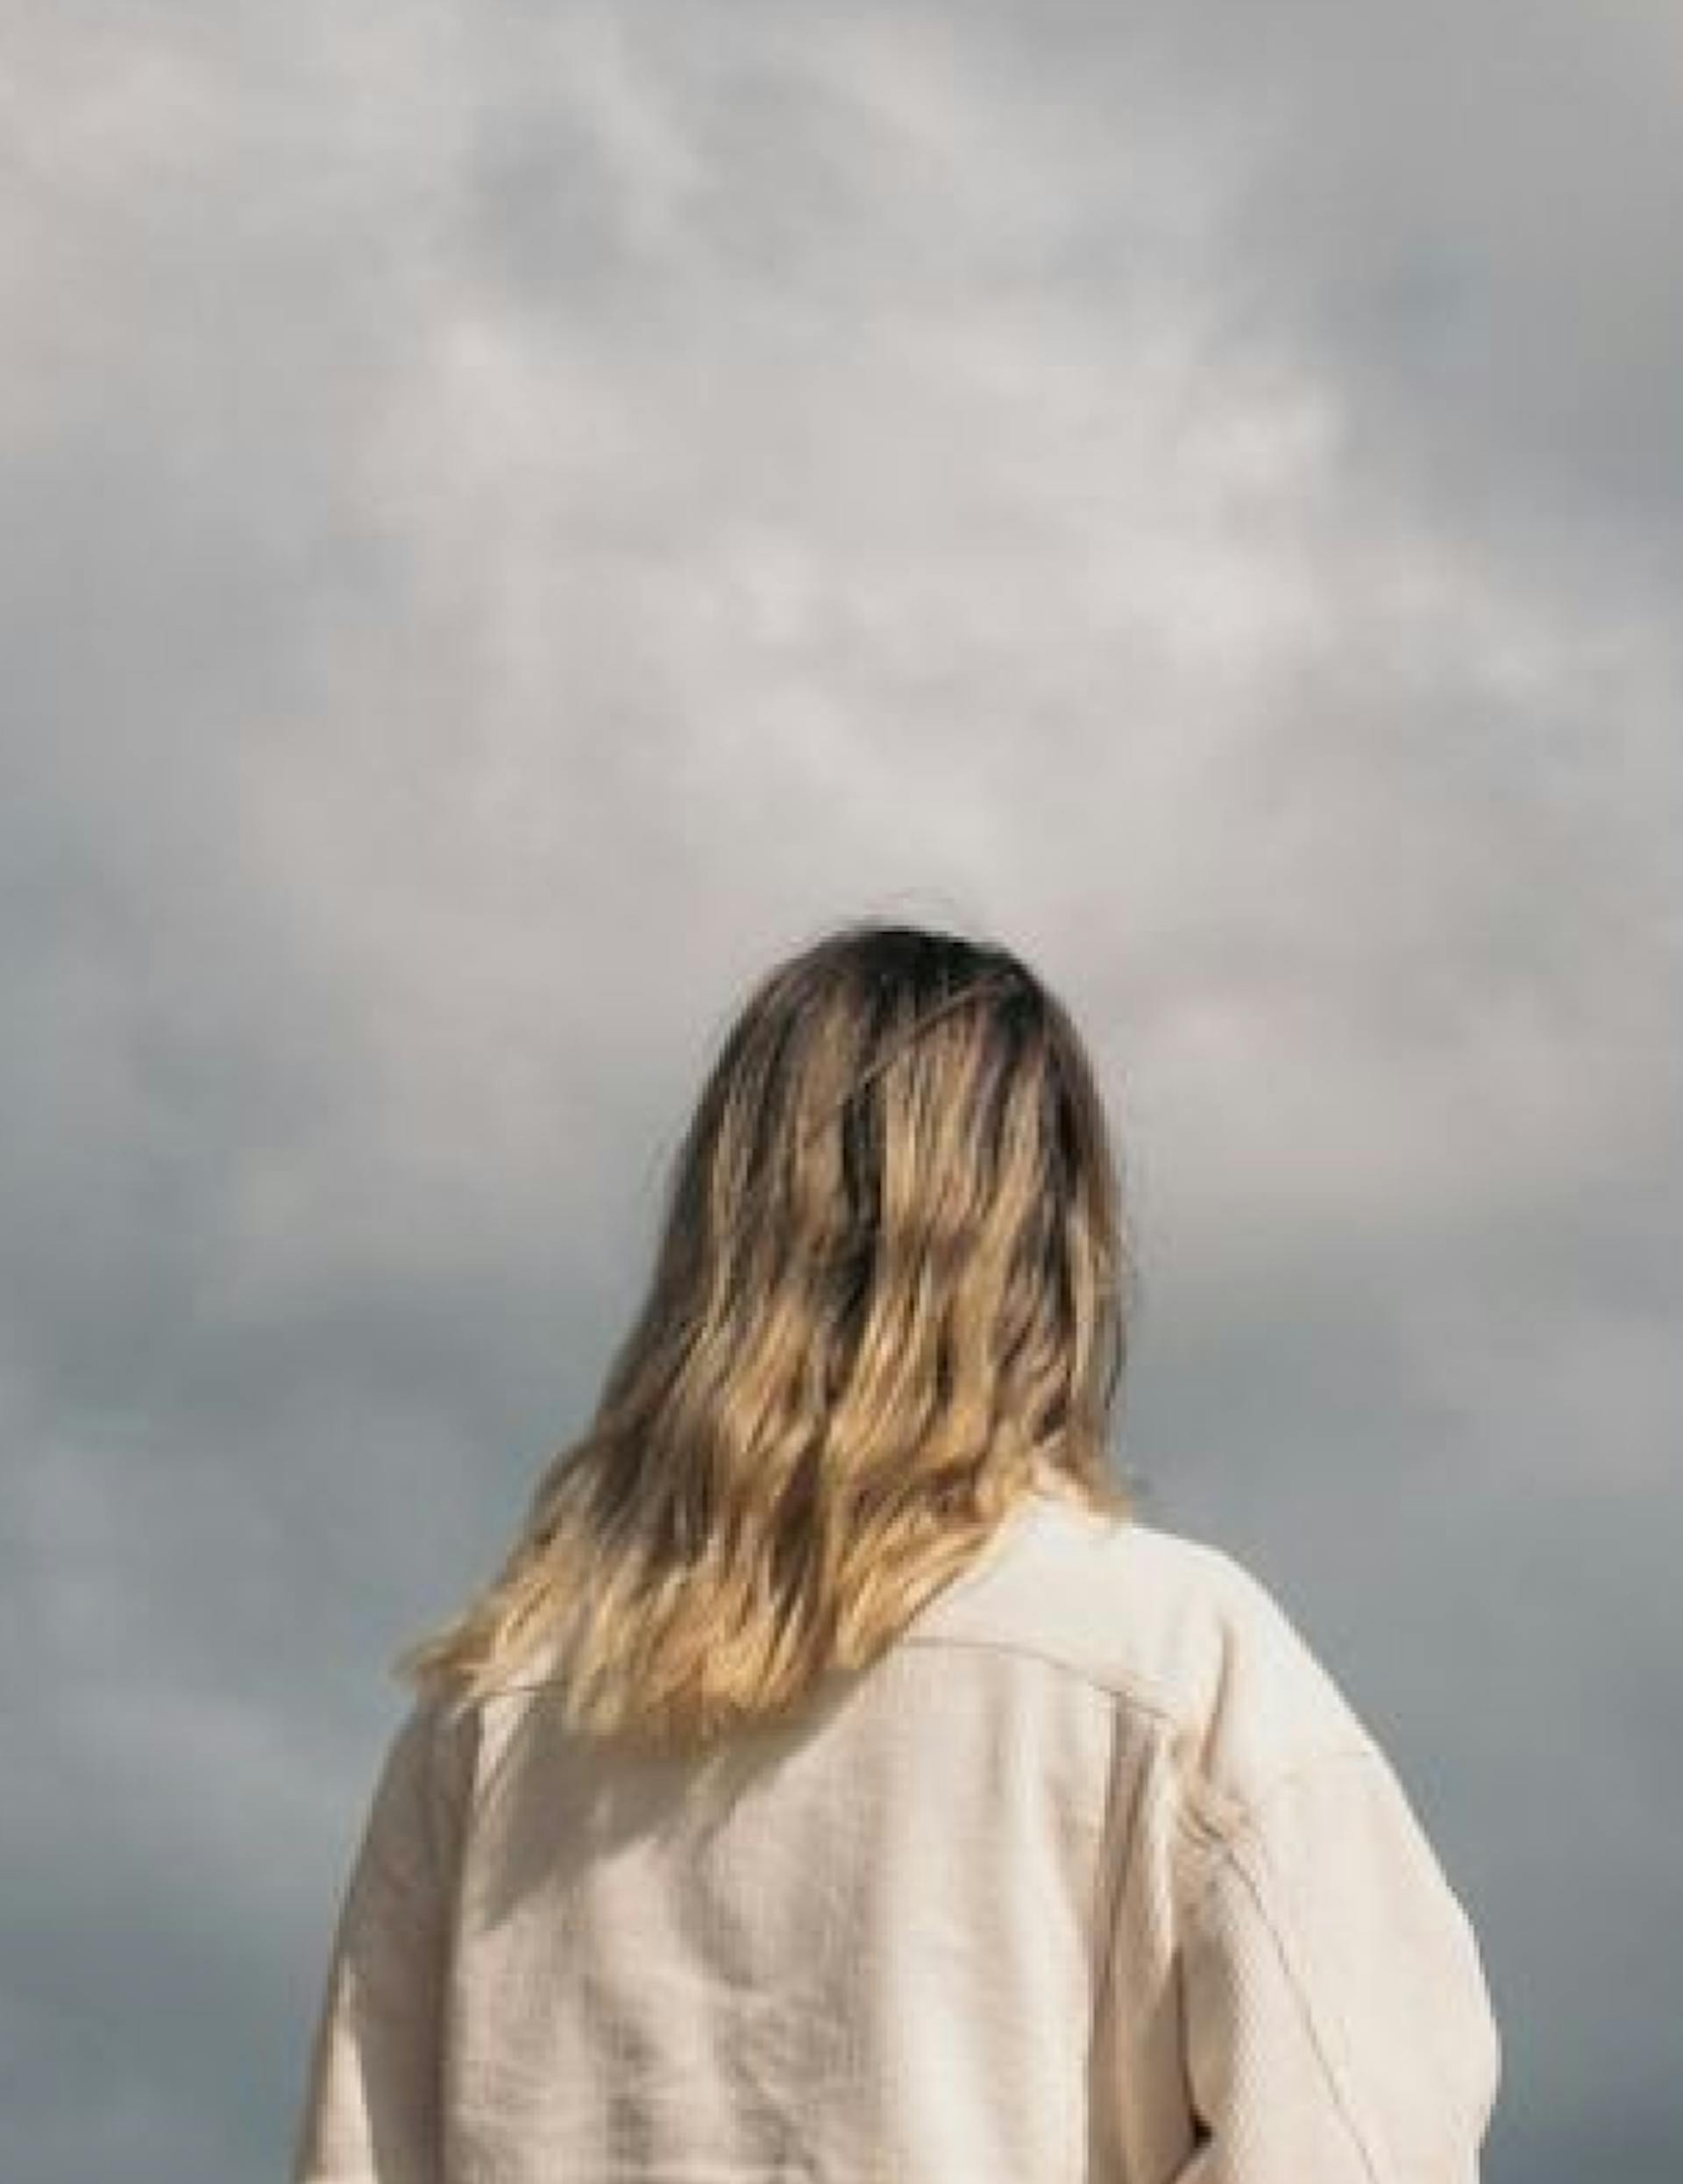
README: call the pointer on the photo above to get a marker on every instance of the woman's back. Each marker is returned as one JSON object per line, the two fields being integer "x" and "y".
{"x": 1094, "y": 1875}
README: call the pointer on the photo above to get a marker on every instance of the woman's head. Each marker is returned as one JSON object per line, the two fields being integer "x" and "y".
{"x": 891, "y": 1294}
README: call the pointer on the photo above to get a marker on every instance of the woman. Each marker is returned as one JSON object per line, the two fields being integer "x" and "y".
{"x": 840, "y": 1781}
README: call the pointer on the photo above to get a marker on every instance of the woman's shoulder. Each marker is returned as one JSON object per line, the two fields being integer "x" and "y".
{"x": 1192, "y": 1641}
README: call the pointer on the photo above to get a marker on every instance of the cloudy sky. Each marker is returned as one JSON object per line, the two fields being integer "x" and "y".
{"x": 514, "y": 516}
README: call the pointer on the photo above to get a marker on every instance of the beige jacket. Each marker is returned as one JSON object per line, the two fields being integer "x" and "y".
{"x": 1095, "y": 1878}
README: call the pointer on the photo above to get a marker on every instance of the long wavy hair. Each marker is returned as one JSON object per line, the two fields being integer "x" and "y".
{"x": 890, "y": 1300}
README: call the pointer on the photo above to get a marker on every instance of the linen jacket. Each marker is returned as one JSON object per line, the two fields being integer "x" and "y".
{"x": 1095, "y": 1877}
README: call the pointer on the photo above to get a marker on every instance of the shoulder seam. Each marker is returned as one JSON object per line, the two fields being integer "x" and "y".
{"x": 1241, "y": 1823}
{"x": 1148, "y": 1700}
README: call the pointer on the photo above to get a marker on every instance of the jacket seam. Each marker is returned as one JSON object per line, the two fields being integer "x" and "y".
{"x": 1226, "y": 1836}
{"x": 1119, "y": 1833}
{"x": 1247, "y": 1838}
{"x": 1210, "y": 1817}
{"x": 1116, "y": 1838}
{"x": 1141, "y": 1696}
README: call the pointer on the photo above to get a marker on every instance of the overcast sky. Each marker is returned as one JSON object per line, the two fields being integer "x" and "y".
{"x": 513, "y": 518}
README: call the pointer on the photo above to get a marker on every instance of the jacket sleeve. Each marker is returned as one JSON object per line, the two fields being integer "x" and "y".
{"x": 370, "y": 2113}
{"x": 1339, "y": 2029}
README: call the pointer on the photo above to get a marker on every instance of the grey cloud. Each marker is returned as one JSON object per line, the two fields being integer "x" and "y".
{"x": 510, "y": 518}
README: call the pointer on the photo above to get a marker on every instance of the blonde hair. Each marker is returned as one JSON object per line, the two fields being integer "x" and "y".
{"x": 890, "y": 1300}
